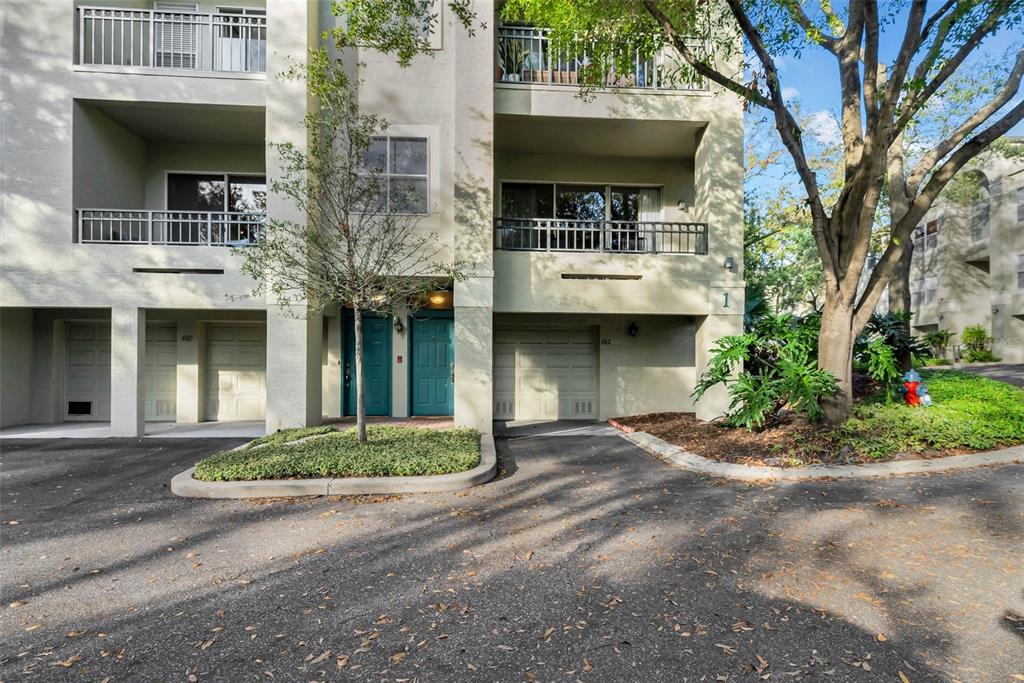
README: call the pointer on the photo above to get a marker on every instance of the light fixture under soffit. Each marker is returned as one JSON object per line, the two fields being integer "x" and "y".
{"x": 436, "y": 298}
{"x": 633, "y": 330}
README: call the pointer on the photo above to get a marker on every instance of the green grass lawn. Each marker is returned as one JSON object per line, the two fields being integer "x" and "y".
{"x": 970, "y": 413}
{"x": 390, "y": 451}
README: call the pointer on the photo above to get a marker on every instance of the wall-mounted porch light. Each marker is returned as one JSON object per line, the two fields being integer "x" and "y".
{"x": 633, "y": 330}
{"x": 399, "y": 326}
{"x": 729, "y": 264}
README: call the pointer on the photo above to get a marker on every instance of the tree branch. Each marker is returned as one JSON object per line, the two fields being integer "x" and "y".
{"x": 917, "y": 99}
{"x": 814, "y": 32}
{"x": 1000, "y": 99}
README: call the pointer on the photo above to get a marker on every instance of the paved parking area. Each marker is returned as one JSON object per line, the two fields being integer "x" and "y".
{"x": 586, "y": 560}
{"x": 1007, "y": 372}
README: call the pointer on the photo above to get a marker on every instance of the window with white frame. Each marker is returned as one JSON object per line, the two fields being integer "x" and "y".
{"x": 980, "y": 211}
{"x": 931, "y": 290}
{"x": 925, "y": 291}
{"x": 402, "y": 165}
{"x": 925, "y": 239}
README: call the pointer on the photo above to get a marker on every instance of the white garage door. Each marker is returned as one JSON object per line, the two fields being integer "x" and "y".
{"x": 236, "y": 372}
{"x": 161, "y": 373}
{"x": 87, "y": 371}
{"x": 545, "y": 374}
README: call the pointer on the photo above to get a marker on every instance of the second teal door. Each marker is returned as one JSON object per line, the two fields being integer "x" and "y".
{"x": 433, "y": 366}
{"x": 376, "y": 365}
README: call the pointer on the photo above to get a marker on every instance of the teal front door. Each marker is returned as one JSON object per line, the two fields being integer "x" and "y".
{"x": 433, "y": 366}
{"x": 376, "y": 365}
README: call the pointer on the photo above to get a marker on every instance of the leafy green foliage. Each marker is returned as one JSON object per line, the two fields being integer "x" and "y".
{"x": 802, "y": 382}
{"x": 938, "y": 341}
{"x": 881, "y": 365}
{"x": 977, "y": 345}
{"x": 980, "y": 356}
{"x": 772, "y": 366}
{"x": 293, "y": 434}
{"x": 389, "y": 451}
{"x": 975, "y": 337}
{"x": 398, "y": 27}
{"x": 780, "y": 256}
{"x": 969, "y": 412}
{"x": 894, "y": 329}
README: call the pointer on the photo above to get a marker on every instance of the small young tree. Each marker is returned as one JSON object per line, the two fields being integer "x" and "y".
{"x": 360, "y": 244}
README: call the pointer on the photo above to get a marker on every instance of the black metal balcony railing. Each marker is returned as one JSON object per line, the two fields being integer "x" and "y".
{"x": 525, "y": 56}
{"x": 191, "y": 228}
{"x": 627, "y": 237}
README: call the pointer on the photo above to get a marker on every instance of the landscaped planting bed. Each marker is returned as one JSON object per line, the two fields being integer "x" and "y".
{"x": 971, "y": 414}
{"x": 389, "y": 451}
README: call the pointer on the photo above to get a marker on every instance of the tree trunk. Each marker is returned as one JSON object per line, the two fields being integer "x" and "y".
{"x": 899, "y": 297}
{"x": 357, "y": 321}
{"x": 835, "y": 354}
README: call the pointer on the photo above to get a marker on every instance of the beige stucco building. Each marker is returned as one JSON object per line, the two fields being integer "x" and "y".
{"x": 604, "y": 236}
{"x": 968, "y": 266}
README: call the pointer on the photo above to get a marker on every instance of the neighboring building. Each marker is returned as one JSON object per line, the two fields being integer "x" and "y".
{"x": 968, "y": 266}
{"x": 605, "y": 235}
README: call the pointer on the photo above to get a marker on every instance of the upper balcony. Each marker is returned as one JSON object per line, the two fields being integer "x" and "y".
{"x": 229, "y": 41}
{"x": 533, "y": 78}
{"x": 175, "y": 176}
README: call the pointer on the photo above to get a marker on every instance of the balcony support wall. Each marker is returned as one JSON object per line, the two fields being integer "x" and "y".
{"x": 127, "y": 362}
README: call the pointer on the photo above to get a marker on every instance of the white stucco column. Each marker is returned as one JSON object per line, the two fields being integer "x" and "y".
{"x": 715, "y": 401}
{"x": 474, "y": 237}
{"x": 189, "y": 372}
{"x": 127, "y": 360}
{"x": 294, "y": 341}
{"x": 332, "y": 364}
{"x": 293, "y": 370}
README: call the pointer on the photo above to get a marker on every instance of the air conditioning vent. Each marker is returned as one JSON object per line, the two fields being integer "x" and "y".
{"x": 504, "y": 409}
{"x": 79, "y": 407}
{"x": 583, "y": 408}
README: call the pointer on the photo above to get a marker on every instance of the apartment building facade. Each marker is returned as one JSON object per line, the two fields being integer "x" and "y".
{"x": 968, "y": 264}
{"x": 603, "y": 235}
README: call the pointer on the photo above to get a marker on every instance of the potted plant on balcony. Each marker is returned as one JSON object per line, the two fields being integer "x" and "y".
{"x": 512, "y": 57}
{"x": 536, "y": 66}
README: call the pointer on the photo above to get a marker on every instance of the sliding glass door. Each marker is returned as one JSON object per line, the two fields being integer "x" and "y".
{"x": 578, "y": 217}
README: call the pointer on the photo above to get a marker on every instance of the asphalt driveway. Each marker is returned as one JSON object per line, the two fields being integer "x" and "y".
{"x": 1006, "y": 372}
{"x": 587, "y": 560}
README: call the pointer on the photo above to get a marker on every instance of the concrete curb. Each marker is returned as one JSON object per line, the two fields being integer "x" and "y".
{"x": 184, "y": 485}
{"x": 676, "y": 456}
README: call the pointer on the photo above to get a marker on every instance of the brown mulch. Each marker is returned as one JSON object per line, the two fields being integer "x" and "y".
{"x": 792, "y": 443}
{"x": 794, "y": 438}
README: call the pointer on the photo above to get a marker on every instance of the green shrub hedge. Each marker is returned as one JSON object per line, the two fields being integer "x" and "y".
{"x": 390, "y": 451}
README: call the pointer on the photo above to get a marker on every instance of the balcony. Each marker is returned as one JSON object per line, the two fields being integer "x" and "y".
{"x": 607, "y": 236}
{"x": 525, "y": 56}
{"x": 226, "y": 41}
{"x": 183, "y": 228}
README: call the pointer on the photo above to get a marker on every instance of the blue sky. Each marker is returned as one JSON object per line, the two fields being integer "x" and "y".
{"x": 814, "y": 77}
{"x": 812, "y": 81}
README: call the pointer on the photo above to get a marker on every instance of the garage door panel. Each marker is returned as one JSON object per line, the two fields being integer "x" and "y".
{"x": 82, "y": 357}
{"x": 161, "y": 373}
{"x": 236, "y": 372}
{"x": 81, "y": 383}
{"x": 545, "y": 374}
{"x": 87, "y": 371}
